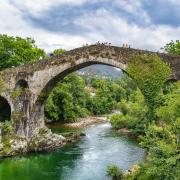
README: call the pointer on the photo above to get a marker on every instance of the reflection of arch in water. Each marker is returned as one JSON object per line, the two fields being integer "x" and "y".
{"x": 22, "y": 84}
{"x": 5, "y": 110}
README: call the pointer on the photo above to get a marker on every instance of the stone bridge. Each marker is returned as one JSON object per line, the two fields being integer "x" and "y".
{"x": 28, "y": 86}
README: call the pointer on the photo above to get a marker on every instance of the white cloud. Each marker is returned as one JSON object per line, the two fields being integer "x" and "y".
{"x": 112, "y": 28}
{"x": 134, "y": 8}
{"x": 175, "y": 2}
{"x": 36, "y": 7}
{"x": 101, "y": 26}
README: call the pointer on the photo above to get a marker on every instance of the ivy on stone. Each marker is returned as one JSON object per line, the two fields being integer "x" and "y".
{"x": 150, "y": 73}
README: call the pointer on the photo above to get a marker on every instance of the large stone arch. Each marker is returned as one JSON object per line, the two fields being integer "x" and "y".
{"x": 60, "y": 72}
{"x": 69, "y": 68}
{"x": 41, "y": 76}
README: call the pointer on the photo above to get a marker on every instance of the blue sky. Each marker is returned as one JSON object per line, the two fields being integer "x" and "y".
{"x": 145, "y": 24}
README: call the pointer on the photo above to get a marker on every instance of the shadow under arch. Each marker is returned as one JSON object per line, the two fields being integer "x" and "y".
{"x": 5, "y": 110}
{"x": 22, "y": 84}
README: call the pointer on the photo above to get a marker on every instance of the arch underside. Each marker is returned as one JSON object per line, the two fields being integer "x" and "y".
{"x": 78, "y": 65}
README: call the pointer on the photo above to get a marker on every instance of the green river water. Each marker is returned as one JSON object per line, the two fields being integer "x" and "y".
{"x": 86, "y": 159}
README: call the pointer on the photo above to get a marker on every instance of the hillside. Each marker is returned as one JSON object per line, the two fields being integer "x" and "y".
{"x": 101, "y": 70}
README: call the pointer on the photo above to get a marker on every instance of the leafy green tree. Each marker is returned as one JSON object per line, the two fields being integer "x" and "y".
{"x": 105, "y": 97}
{"x": 133, "y": 114}
{"x": 173, "y": 47}
{"x": 128, "y": 84}
{"x": 67, "y": 100}
{"x": 150, "y": 73}
{"x": 58, "y": 51}
{"x": 15, "y": 51}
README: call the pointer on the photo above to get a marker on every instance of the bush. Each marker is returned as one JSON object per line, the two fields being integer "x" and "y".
{"x": 123, "y": 107}
{"x": 115, "y": 172}
{"x": 7, "y": 127}
{"x": 119, "y": 121}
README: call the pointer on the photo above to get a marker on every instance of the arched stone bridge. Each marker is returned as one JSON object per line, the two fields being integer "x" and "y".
{"x": 38, "y": 79}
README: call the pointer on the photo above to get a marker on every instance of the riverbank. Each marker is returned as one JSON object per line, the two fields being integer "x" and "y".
{"x": 44, "y": 139}
{"x": 84, "y": 122}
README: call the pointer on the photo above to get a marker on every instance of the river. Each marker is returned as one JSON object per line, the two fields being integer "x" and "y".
{"x": 86, "y": 159}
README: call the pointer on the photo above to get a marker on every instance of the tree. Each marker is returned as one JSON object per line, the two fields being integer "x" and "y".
{"x": 173, "y": 47}
{"x": 15, "y": 51}
{"x": 68, "y": 99}
{"x": 150, "y": 73}
{"x": 58, "y": 51}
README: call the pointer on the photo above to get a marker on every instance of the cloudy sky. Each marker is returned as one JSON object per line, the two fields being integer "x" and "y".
{"x": 145, "y": 24}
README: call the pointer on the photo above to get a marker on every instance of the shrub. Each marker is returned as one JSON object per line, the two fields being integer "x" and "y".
{"x": 114, "y": 171}
{"x": 119, "y": 121}
{"x": 7, "y": 127}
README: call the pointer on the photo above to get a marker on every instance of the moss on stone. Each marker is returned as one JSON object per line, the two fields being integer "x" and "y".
{"x": 17, "y": 116}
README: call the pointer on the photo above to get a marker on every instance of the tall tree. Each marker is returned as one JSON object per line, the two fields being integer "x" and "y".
{"x": 15, "y": 51}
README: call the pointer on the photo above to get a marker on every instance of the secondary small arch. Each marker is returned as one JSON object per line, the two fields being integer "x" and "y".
{"x": 5, "y": 110}
{"x": 22, "y": 84}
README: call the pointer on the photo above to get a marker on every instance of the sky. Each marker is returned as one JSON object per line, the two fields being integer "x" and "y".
{"x": 68, "y": 24}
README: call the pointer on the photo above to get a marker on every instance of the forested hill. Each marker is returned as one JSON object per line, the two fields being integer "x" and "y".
{"x": 101, "y": 70}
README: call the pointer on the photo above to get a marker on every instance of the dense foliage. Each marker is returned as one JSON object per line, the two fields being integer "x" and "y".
{"x": 161, "y": 136}
{"x": 115, "y": 172}
{"x": 162, "y": 141}
{"x": 173, "y": 47}
{"x": 73, "y": 97}
{"x": 58, "y": 51}
{"x": 133, "y": 114}
{"x": 67, "y": 100}
{"x": 15, "y": 51}
{"x": 150, "y": 73}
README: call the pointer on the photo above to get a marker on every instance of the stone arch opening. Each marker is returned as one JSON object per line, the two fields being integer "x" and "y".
{"x": 22, "y": 84}
{"x": 52, "y": 82}
{"x": 5, "y": 110}
{"x": 38, "y": 109}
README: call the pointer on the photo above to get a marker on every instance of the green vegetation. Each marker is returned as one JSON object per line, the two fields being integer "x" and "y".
{"x": 15, "y": 51}
{"x": 133, "y": 114}
{"x": 158, "y": 133}
{"x": 73, "y": 97}
{"x": 173, "y": 47}
{"x": 2, "y": 85}
{"x": 150, "y": 73}
{"x": 68, "y": 100}
{"x": 7, "y": 127}
{"x": 115, "y": 172}
{"x": 58, "y": 51}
